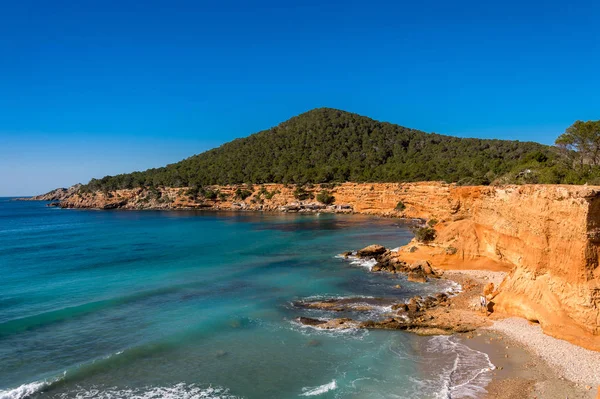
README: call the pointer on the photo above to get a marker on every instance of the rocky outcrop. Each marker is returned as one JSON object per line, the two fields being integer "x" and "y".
{"x": 58, "y": 194}
{"x": 392, "y": 262}
{"x": 432, "y": 315}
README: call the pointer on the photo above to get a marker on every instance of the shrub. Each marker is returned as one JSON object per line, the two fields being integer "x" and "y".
{"x": 269, "y": 195}
{"x": 400, "y": 206}
{"x": 425, "y": 234}
{"x": 242, "y": 194}
{"x": 451, "y": 250}
{"x": 222, "y": 196}
{"x": 192, "y": 192}
{"x": 325, "y": 197}
{"x": 211, "y": 195}
{"x": 432, "y": 222}
{"x": 301, "y": 194}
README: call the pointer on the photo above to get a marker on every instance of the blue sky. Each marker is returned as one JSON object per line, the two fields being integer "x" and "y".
{"x": 89, "y": 88}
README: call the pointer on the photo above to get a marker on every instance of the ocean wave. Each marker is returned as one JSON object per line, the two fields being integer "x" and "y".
{"x": 305, "y": 329}
{"x": 366, "y": 263}
{"x": 453, "y": 288}
{"x": 320, "y": 389}
{"x": 29, "y": 389}
{"x": 469, "y": 373}
{"x": 325, "y": 297}
{"x": 177, "y": 391}
{"x": 26, "y": 390}
{"x": 356, "y": 261}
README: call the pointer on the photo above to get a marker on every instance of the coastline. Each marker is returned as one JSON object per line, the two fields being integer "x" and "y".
{"x": 532, "y": 369}
{"x": 529, "y": 363}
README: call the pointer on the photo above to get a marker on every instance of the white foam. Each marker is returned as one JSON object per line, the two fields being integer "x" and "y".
{"x": 367, "y": 263}
{"x": 397, "y": 249}
{"x": 326, "y": 297}
{"x": 470, "y": 371}
{"x": 320, "y": 389}
{"x": 26, "y": 390}
{"x": 177, "y": 391}
{"x": 305, "y": 329}
{"x": 453, "y": 288}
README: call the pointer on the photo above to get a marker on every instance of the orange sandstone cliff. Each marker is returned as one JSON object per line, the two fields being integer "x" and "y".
{"x": 547, "y": 236}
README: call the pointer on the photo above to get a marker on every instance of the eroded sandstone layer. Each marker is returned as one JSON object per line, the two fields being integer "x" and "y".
{"x": 548, "y": 236}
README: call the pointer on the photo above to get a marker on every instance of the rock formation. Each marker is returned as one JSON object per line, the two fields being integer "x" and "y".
{"x": 424, "y": 316}
{"x": 58, "y": 194}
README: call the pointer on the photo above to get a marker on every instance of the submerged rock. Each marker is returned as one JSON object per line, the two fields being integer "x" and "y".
{"x": 332, "y": 324}
{"x": 417, "y": 277}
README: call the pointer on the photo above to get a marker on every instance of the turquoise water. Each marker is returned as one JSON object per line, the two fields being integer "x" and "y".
{"x": 116, "y": 304}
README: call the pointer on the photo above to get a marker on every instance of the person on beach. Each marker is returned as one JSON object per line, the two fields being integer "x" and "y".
{"x": 483, "y": 303}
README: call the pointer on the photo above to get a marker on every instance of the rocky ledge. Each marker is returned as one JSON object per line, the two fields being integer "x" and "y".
{"x": 391, "y": 262}
{"x": 431, "y": 315}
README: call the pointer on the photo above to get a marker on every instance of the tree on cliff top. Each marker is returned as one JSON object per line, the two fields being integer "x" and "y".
{"x": 581, "y": 143}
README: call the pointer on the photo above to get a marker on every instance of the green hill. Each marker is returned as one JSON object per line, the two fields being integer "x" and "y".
{"x": 329, "y": 145}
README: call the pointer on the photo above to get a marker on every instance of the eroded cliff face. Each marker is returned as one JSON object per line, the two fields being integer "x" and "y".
{"x": 547, "y": 236}
{"x": 420, "y": 199}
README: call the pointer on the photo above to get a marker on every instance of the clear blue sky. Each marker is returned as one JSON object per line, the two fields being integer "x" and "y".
{"x": 89, "y": 88}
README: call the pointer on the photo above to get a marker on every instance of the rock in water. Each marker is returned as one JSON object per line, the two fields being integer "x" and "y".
{"x": 371, "y": 251}
{"x": 417, "y": 277}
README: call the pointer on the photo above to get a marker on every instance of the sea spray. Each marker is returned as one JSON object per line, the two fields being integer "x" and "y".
{"x": 321, "y": 389}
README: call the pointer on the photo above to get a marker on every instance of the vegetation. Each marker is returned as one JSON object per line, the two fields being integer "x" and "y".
{"x": 325, "y": 197}
{"x": 329, "y": 146}
{"x": 400, "y": 206}
{"x": 425, "y": 234}
{"x": 242, "y": 194}
{"x": 581, "y": 142}
{"x": 301, "y": 194}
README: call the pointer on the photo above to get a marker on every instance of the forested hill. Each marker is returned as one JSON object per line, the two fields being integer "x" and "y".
{"x": 329, "y": 145}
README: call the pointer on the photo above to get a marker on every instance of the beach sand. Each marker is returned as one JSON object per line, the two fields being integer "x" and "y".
{"x": 529, "y": 363}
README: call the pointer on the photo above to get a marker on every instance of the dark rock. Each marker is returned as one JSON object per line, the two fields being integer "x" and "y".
{"x": 371, "y": 251}
{"x": 400, "y": 306}
{"x": 310, "y": 321}
{"x": 377, "y": 268}
{"x": 417, "y": 277}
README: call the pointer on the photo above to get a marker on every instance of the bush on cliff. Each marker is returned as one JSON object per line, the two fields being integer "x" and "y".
{"x": 400, "y": 206}
{"x": 301, "y": 194}
{"x": 425, "y": 234}
{"x": 325, "y": 197}
{"x": 242, "y": 194}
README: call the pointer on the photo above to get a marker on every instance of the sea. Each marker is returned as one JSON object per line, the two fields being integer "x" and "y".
{"x": 200, "y": 304}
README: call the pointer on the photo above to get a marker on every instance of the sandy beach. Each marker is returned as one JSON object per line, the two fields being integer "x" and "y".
{"x": 530, "y": 364}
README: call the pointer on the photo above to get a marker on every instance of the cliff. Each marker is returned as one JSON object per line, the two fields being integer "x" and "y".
{"x": 548, "y": 236}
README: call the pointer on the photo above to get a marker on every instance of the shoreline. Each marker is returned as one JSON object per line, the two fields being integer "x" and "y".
{"x": 529, "y": 363}
{"x": 533, "y": 368}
